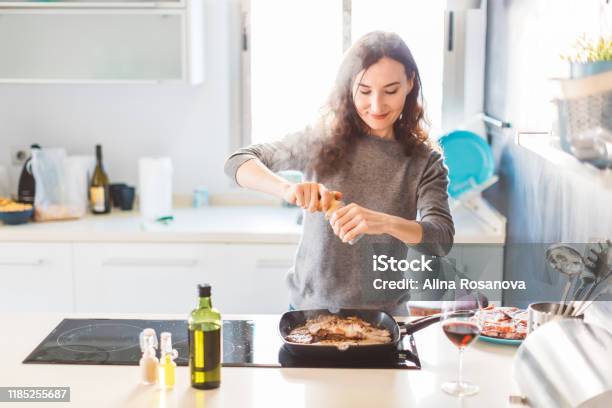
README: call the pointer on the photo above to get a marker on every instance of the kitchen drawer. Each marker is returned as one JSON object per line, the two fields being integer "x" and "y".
{"x": 36, "y": 277}
{"x": 162, "y": 278}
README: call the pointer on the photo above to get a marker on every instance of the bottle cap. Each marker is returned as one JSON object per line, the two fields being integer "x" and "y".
{"x": 165, "y": 341}
{"x": 204, "y": 290}
{"x": 166, "y": 345}
{"x": 148, "y": 339}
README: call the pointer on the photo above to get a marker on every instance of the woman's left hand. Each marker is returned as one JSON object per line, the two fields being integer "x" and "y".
{"x": 353, "y": 220}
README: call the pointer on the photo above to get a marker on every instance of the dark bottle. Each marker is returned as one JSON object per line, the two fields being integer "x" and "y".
{"x": 27, "y": 186}
{"x": 205, "y": 342}
{"x": 99, "y": 191}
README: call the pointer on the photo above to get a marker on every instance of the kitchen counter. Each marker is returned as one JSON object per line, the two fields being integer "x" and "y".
{"x": 488, "y": 365}
{"x": 229, "y": 224}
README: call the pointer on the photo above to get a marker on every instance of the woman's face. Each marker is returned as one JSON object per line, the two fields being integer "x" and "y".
{"x": 379, "y": 95}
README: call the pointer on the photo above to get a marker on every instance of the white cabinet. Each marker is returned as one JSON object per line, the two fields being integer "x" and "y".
{"x": 476, "y": 262}
{"x": 483, "y": 262}
{"x": 36, "y": 277}
{"x": 102, "y": 41}
{"x": 138, "y": 277}
{"x": 162, "y": 278}
{"x": 250, "y": 278}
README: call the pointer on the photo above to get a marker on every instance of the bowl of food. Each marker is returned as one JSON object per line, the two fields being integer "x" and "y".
{"x": 13, "y": 213}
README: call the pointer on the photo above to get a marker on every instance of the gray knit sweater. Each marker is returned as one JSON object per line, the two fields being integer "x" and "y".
{"x": 378, "y": 175}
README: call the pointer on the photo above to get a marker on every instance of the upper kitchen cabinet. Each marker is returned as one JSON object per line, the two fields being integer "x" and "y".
{"x": 108, "y": 41}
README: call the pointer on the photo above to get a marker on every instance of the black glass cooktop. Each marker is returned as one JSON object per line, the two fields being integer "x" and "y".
{"x": 246, "y": 343}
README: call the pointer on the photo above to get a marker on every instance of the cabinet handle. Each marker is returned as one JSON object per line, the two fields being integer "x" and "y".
{"x": 149, "y": 262}
{"x": 21, "y": 262}
{"x": 274, "y": 263}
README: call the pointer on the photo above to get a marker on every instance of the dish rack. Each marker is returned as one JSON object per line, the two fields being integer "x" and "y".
{"x": 473, "y": 201}
{"x": 584, "y": 108}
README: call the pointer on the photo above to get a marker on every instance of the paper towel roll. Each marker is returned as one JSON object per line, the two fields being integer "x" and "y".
{"x": 155, "y": 187}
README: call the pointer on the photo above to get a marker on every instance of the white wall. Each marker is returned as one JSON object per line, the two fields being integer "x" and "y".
{"x": 191, "y": 124}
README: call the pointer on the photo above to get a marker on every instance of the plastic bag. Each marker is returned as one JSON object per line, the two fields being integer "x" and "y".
{"x": 61, "y": 185}
{"x": 4, "y": 182}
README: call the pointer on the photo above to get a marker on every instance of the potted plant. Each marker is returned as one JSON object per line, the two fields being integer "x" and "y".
{"x": 590, "y": 57}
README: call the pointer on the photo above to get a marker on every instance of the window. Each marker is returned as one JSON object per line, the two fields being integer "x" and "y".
{"x": 295, "y": 48}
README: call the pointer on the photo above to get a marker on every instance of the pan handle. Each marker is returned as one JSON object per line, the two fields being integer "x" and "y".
{"x": 421, "y": 323}
{"x": 407, "y": 328}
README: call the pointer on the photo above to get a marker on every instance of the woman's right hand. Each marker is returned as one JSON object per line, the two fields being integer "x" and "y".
{"x": 310, "y": 196}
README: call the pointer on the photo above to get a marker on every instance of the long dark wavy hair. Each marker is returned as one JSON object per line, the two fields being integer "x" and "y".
{"x": 345, "y": 125}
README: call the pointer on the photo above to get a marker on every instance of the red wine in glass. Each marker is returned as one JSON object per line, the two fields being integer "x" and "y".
{"x": 461, "y": 334}
{"x": 461, "y": 325}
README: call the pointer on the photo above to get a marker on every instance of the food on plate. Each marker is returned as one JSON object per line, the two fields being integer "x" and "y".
{"x": 336, "y": 330}
{"x": 504, "y": 322}
{"x": 8, "y": 205}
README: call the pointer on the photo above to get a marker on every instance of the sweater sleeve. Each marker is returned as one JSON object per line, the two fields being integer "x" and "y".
{"x": 432, "y": 205}
{"x": 293, "y": 152}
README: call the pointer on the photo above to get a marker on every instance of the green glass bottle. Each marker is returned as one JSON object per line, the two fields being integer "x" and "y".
{"x": 205, "y": 342}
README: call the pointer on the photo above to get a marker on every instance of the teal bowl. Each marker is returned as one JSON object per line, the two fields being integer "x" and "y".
{"x": 16, "y": 217}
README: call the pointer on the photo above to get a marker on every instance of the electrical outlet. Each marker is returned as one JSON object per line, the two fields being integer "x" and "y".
{"x": 19, "y": 154}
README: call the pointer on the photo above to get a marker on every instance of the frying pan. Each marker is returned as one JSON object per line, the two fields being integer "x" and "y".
{"x": 382, "y": 320}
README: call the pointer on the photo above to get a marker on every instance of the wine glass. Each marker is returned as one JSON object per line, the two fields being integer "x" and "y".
{"x": 461, "y": 323}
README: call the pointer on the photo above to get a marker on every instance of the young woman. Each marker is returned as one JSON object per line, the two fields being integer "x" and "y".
{"x": 371, "y": 150}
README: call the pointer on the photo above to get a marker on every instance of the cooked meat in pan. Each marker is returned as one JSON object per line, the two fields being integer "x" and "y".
{"x": 335, "y": 330}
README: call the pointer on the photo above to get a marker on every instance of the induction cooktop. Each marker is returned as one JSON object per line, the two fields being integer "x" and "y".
{"x": 246, "y": 343}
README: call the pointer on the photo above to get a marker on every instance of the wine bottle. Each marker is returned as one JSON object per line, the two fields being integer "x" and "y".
{"x": 99, "y": 192}
{"x": 205, "y": 342}
{"x": 27, "y": 185}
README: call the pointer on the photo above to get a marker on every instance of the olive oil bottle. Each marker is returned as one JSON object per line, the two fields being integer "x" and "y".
{"x": 205, "y": 342}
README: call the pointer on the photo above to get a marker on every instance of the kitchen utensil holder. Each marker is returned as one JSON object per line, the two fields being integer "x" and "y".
{"x": 541, "y": 313}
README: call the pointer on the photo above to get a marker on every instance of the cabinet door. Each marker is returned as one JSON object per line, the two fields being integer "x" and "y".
{"x": 36, "y": 277}
{"x": 127, "y": 278}
{"x": 250, "y": 278}
{"x": 84, "y": 45}
{"x": 485, "y": 262}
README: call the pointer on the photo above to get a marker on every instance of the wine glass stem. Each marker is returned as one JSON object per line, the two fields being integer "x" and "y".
{"x": 459, "y": 375}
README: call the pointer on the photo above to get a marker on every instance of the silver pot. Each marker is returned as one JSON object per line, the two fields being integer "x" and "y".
{"x": 544, "y": 312}
{"x": 566, "y": 364}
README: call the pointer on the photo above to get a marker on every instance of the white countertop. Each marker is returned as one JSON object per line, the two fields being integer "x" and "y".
{"x": 231, "y": 224}
{"x": 486, "y": 364}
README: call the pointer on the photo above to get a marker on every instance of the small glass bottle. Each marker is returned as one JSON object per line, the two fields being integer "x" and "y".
{"x": 333, "y": 207}
{"x": 167, "y": 366}
{"x": 205, "y": 342}
{"x": 149, "y": 362}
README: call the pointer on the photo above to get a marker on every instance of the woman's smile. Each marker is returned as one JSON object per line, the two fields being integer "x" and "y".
{"x": 379, "y": 116}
